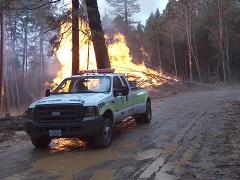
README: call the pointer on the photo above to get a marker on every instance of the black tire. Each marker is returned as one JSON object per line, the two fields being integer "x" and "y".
{"x": 145, "y": 117}
{"x": 41, "y": 142}
{"x": 91, "y": 142}
{"x": 104, "y": 138}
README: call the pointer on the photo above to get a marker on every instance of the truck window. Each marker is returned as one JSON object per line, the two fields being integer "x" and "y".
{"x": 88, "y": 84}
{"x": 117, "y": 84}
{"x": 124, "y": 81}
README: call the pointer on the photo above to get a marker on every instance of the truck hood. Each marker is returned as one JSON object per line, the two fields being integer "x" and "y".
{"x": 87, "y": 99}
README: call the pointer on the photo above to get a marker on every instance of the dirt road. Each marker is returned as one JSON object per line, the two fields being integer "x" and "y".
{"x": 193, "y": 135}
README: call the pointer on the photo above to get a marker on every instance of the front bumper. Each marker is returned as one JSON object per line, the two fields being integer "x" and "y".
{"x": 80, "y": 129}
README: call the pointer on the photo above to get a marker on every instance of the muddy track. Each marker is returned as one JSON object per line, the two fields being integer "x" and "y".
{"x": 193, "y": 135}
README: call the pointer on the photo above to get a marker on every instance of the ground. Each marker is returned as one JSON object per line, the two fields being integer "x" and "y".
{"x": 194, "y": 134}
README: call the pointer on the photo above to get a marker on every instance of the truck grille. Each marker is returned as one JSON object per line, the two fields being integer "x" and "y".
{"x": 58, "y": 113}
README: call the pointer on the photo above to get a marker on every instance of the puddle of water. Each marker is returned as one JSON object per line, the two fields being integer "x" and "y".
{"x": 125, "y": 145}
{"x": 151, "y": 153}
{"x": 170, "y": 149}
{"x": 63, "y": 145}
{"x": 105, "y": 174}
{"x": 69, "y": 163}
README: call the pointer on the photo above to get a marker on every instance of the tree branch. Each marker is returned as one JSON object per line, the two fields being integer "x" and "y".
{"x": 34, "y": 8}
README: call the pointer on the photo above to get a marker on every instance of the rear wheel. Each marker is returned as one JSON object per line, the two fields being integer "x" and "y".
{"x": 41, "y": 142}
{"x": 145, "y": 117}
{"x": 104, "y": 138}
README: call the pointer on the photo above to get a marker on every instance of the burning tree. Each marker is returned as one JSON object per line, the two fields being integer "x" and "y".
{"x": 98, "y": 39}
{"x": 97, "y": 35}
{"x": 75, "y": 37}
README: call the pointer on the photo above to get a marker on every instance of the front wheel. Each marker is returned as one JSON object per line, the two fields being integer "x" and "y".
{"x": 40, "y": 142}
{"x": 104, "y": 138}
{"x": 145, "y": 117}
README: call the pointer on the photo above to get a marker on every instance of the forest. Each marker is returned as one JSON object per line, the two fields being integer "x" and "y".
{"x": 193, "y": 41}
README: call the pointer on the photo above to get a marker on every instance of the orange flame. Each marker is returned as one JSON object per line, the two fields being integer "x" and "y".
{"x": 119, "y": 55}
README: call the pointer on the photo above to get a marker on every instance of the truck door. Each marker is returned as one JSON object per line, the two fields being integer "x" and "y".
{"x": 120, "y": 101}
{"x": 129, "y": 99}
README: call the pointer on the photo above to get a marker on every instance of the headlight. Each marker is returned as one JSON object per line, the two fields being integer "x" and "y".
{"x": 90, "y": 111}
{"x": 30, "y": 113}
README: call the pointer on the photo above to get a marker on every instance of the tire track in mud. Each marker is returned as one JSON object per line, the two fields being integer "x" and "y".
{"x": 218, "y": 156}
{"x": 232, "y": 141}
{"x": 160, "y": 168}
{"x": 190, "y": 139}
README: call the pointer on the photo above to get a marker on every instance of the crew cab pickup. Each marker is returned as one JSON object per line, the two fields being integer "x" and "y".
{"x": 87, "y": 106}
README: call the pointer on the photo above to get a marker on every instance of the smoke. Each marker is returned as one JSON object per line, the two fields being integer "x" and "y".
{"x": 148, "y": 7}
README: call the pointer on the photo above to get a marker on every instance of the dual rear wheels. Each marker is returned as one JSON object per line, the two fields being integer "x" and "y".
{"x": 145, "y": 117}
{"x": 104, "y": 138}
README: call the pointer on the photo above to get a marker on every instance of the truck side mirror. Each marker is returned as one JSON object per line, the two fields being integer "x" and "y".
{"x": 116, "y": 92}
{"x": 125, "y": 90}
{"x": 47, "y": 93}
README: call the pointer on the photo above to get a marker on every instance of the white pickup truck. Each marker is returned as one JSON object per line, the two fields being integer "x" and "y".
{"x": 87, "y": 106}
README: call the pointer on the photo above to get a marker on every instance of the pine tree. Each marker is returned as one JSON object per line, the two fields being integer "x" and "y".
{"x": 126, "y": 9}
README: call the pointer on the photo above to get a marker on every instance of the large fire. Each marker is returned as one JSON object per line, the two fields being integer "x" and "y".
{"x": 119, "y": 54}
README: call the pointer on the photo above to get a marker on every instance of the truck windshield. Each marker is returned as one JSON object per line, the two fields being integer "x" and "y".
{"x": 96, "y": 84}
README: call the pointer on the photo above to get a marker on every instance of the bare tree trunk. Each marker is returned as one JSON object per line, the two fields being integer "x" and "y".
{"x": 41, "y": 67}
{"x": 88, "y": 54}
{"x": 218, "y": 68}
{"x": 7, "y": 89}
{"x": 17, "y": 87}
{"x": 75, "y": 36}
{"x": 159, "y": 56}
{"x": 188, "y": 31}
{"x": 12, "y": 89}
{"x": 2, "y": 60}
{"x": 173, "y": 54}
{"x": 195, "y": 55}
{"x": 221, "y": 42}
{"x": 186, "y": 67}
{"x": 98, "y": 39}
{"x": 14, "y": 65}
{"x": 209, "y": 71}
{"x": 227, "y": 54}
{"x": 126, "y": 18}
{"x": 24, "y": 50}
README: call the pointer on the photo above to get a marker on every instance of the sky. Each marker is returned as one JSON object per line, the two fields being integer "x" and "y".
{"x": 147, "y": 6}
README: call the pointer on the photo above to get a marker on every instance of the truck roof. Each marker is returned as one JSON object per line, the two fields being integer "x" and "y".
{"x": 98, "y": 72}
{"x": 101, "y": 74}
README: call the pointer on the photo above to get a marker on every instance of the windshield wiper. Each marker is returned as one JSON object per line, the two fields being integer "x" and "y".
{"x": 89, "y": 92}
{"x": 58, "y": 93}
